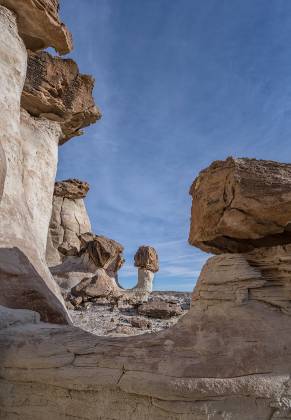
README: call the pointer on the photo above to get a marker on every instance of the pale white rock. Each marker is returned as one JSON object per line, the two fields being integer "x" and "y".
{"x": 30, "y": 149}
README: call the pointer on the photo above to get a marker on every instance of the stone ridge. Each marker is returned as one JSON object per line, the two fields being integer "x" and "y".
{"x": 241, "y": 204}
{"x": 71, "y": 188}
{"x": 55, "y": 89}
{"x": 39, "y": 24}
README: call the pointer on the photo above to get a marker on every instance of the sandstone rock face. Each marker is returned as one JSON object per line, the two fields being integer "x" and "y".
{"x": 55, "y": 89}
{"x": 69, "y": 220}
{"x": 147, "y": 257}
{"x": 39, "y": 24}
{"x": 241, "y": 204}
{"x": 27, "y": 194}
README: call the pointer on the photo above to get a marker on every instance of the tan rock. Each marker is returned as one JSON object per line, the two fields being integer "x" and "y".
{"x": 147, "y": 257}
{"x": 71, "y": 188}
{"x": 241, "y": 204}
{"x": 55, "y": 89}
{"x": 100, "y": 285}
{"x": 159, "y": 309}
{"x": 39, "y": 24}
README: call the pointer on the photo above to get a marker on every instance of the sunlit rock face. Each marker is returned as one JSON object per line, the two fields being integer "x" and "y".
{"x": 241, "y": 204}
{"x": 29, "y": 148}
{"x": 227, "y": 358}
{"x": 39, "y": 25}
{"x": 69, "y": 220}
{"x": 55, "y": 89}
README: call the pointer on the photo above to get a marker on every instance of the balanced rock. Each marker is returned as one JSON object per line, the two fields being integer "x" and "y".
{"x": 241, "y": 204}
{"x": 146, "y": 257}
{"x": 55, "y": 89}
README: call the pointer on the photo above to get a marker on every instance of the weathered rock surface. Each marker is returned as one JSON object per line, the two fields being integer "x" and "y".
{"x": 39, "y": 24}
{"x": 71, "y": 188}
{"x": 163, "y": 310}
{"x": 69, "y": 220}
{"x": 27, "y": 194}
{"x": 55, "y": 89}
{"x": 100, "y": 285}
{"x": 146, "y": 257}
{"x": 241, "y": 204}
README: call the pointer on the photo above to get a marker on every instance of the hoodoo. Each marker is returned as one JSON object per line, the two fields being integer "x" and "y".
{"x": 227, "y": 358}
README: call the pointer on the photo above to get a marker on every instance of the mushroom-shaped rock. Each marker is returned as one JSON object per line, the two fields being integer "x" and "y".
{"x": 71, "y": 188}
{"x": 241, "y": 204}
{"x": 39, "y": 24}
{"x": 146, "y": 257}
{"x": 55, "y": 89}
{"x": 100, "y": 285}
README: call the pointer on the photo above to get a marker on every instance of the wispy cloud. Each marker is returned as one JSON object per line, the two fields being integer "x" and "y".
{"x": 178, "y": 87}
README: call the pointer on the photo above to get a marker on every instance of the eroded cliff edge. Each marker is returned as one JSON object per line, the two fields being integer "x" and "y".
{"x": 228, "y": 358}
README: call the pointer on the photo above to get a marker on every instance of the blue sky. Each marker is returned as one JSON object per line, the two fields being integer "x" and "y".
{"x": 180, "y": 83}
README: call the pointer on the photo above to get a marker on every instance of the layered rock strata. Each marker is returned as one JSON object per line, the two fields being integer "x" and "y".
{"x": 54, "y": 89}
{"x": 228, "y": 358}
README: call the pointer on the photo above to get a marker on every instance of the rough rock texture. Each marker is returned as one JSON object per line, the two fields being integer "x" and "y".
{"x": 71, "y": 188}
{"x": 39, "y": 24}
{"x": 228, "y": 358}
{"x": 69, "y": 220}
{"x": 27, "y": 195}
{"x": 241, "y": 204}
{"x": 100, "y": 285}
{"x": 147, "y": 257}
{"x": 55, "y": 89}
{"x": 162, "y": 310}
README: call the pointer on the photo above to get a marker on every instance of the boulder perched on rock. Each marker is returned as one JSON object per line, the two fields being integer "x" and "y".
{"x": 146, "y": 257}
{"x": 55, "y": 89}
{"x": 71, "y": 188}
{"x": 103, "y": 251}
{"x": 39, "y": 24}
{"x": 241, "y": 204}
{"x": 159, "y": 309}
